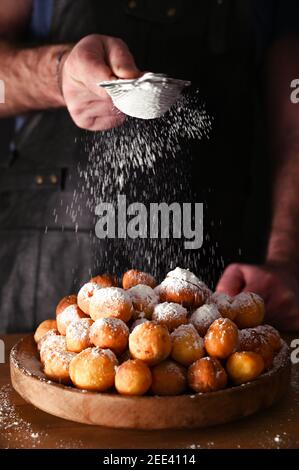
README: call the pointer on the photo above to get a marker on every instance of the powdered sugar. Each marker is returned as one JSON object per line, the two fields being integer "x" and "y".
{"x": 203, "y": 317}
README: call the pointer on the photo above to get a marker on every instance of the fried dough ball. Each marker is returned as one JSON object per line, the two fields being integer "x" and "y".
{"x": 66, "y": 302}
{"x": 250, "y": 310}
{"x": 222, "y": 338}
{"x": 77, "y": 335}
{"x": 144, "y": 299}
{"x": 85, "y": 294}
{"x": 251, "y": 340}
{"x": 169, "y": 378}
{"x": 69, "y": 314}
{"x": 93, "y": 369}
{"x": 105, "y": 280}
{"x": 271, "y": 335}
{"x": 111, "y": 302}
{"x": 187, "y": 345}
{"x": 133, "y": 277}
{"x": 133, "y": 377}
{"x": 57, "y": 364}
{"x": 183, "y": 287}
{"x": 170, "y": 315}
{"x": 203, "y": 317}
{"x": 110, "y": 333}
{"x": 244, "y": 366}
{"x": 224, "y": 304}
{"x": 51, "y": 341}
{"x": 207, "y": 375}
{"x": 150, "y": 343}
{"x": 43, "y": 328}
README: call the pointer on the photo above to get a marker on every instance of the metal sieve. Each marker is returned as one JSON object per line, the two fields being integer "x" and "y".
{"x": 146, "y": 97}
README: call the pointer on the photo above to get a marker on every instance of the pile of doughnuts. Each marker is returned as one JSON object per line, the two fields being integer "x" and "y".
{"x": 166, "y": 339}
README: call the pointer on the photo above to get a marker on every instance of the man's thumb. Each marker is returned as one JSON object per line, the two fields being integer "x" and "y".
{"x": 232, "y": 280}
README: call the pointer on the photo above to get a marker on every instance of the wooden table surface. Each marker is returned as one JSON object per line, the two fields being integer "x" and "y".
{"x": 23, "y": 426}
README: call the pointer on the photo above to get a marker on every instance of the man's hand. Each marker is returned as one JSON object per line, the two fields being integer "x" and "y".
{"x": 275, "y": 284}
{"x": 94, "y": 59}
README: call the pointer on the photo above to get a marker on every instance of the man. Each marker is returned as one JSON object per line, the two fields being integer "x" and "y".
{"x": 52, "y": 56}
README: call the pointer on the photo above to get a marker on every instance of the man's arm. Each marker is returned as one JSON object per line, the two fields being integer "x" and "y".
{"x": 278, "y": 280}
{"x": 36, "y": 79}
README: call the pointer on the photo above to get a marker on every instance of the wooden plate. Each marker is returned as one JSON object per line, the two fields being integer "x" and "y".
{"x": 147, "y": 412}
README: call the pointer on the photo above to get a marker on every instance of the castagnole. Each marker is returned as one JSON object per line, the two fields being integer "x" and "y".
{"x": 133, "y": 377}
{"x": 169, "y": 378}
{"x": 187, "y": 345}
{"x": 207, "y": 375}
{"x": 85, "y": 294}
{"x": 133, "y": 277}
{"x": 110, "y": 333}
{"x": 69, "y": 314}
{"x": 150, "y": 343}
{"x": 222, "y": 338}
{"x": 43, "y": 328}
{"x": 244, "y": 366}
{"x": 77, "y": 335}
{"x": 111, "y": 302}
{"x": 93, "y": 369}
{"x": 183, "y": 287}
{"x": 144, "y": 300}
{"x": 170, "y": 315}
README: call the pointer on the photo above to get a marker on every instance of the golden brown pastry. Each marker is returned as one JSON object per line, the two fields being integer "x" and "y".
{"x": 105, "y": 280}
{"x": 51, "y": 341}
{"x": 133, "y": 277}
{"x": 77, "y": 335}
{"x": 93, "y": 369}
{"x": 69, "y": 314}
{"x": 111, "y": 302}
{"x": 110, "y": 333}
{"x": 187, "y": 345}
{"x": 250, "y": 310}
{"x": 150, "y": 343}
{"x": 56, "y": 365}
{"x": 66, "y": 302}
{"x": 43, "y": 328}
{"x": 170, "y": 315}
{"x": 85, "y": 294}
{"x": 222, "y": 338}
{"x": 183, "y": 287}
{"x": 271, "y": 335}
{"x": 244, "y": 366}
{"x": 207, "y": 375}
{"x": 251, "y": 340}
{"x": 133, "y": 377}
{"x": 144, "y": 300}
{"x": 169, "y": 378}
{"x": 224, "y": 304}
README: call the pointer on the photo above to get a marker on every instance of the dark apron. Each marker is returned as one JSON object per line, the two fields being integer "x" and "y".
{"x": 44, "y": 254}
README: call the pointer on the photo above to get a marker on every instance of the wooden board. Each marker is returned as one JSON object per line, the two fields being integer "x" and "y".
{"x": 147, "y": 412}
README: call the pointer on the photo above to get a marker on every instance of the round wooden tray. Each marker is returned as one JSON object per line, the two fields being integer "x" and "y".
{"x": 147, "y": 412}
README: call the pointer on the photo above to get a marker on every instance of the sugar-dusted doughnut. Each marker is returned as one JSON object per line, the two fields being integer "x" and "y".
{"x": 170, "y": 315}
{"x": 224, "y": 304}
{"x": 222, "y": 338}
{"x": 144, "y": 299}
{"x": 93, "y": 369}
{"x": 111, "y": 302}
{"x": 85, "y": 294}
{"x": 57, "y": 364}
{"x": 51, "y": 341}
{"x": 183, "y": 287}
{"x": 250, "y": 309}
{"x": 252, "y": 340}
{"x": 169, "y": 378}
{"x": 77, "y": 335}
{"x": 271, "y": 335}
{"x": 110, "y": 333}
{"x": 105, "y": 280}
{"x": 69, "y": 314}
{"x": 133, "y": 377}
{"x": 244, "y": 366}
{"x": 187, "y": 345}
{"x": 207, "y": 375}
{"x": 66, "y": 302}
{"x": 150, "y": 343}
{"x": 203, "y": 317}
{"x": 133, "y": 277}
{"x": 43, "y": 328}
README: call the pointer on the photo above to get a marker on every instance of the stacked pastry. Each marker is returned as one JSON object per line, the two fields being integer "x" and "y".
{"x": 159, "y": 339}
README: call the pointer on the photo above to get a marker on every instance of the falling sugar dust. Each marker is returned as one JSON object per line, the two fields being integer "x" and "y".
{"x": 148, "y": 161}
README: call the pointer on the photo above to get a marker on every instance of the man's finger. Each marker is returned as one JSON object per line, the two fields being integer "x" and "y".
{"x": 120, "y": 59}
{"x": 232, "y": 281}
